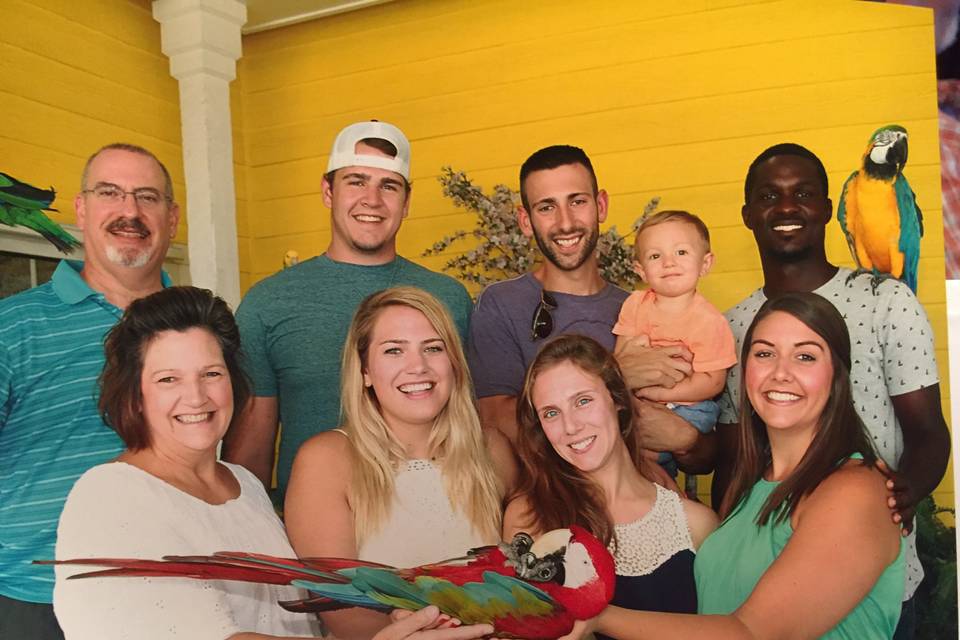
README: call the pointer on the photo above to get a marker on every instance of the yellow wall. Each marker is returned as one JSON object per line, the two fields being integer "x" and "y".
{"x": 668, "y": 98}
{"x": 75, "y": 76}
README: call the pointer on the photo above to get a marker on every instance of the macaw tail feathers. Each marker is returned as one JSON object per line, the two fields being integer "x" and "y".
{"x": 336, "y": 564}
{"x": 59, "y": 238}
{"x": 37, "y": 221}
{"x": 208, "y": 570}
{"x": 317, "y": 604}
{"x": 249, "y": 567}
{"x": 228, "y": 565}
{"x": 911, "y": 230}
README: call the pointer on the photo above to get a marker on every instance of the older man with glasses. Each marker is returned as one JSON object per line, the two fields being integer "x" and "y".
{"x": 562, "y": 211}
{"x": 51, "y": 353}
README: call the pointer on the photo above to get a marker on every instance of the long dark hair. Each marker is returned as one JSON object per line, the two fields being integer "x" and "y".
{"x": 171, "y": 309}
{"x": 840, "y": 432}
{"x": 558, "y": 493}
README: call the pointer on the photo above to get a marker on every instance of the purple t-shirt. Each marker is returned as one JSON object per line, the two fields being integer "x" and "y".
{"x": 500, "y": 347}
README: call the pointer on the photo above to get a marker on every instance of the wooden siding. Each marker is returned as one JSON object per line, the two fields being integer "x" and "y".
{"x": 79, "y": 75}
{"x": 669, "y": 99}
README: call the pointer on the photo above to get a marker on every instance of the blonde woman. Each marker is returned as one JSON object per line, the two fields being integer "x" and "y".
{"x": 409, "y": 477}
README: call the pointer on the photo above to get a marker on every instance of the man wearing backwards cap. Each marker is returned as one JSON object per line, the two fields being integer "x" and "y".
{"x": 294, "y": 323}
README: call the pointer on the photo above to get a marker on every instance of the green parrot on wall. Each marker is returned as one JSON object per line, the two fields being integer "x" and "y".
{"x": 878, "y": 211}
{"x": 22, "y": 205}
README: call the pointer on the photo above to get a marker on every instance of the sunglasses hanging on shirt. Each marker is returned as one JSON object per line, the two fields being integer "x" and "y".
{"x": 542, "y": 325}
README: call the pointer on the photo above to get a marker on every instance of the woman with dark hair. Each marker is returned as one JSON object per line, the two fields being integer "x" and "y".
{"x": 807, "y": 548}
{"x": 169, "y": 387}
{"x": 581, "y": 466}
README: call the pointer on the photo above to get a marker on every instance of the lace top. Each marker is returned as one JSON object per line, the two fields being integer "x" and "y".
{"x": 654, "y": 560}
{"x": 646, "y": 543}
{"x": 422, "y": 525}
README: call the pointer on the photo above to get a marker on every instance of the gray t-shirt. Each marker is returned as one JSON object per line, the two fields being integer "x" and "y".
{"x": 293, "y": 326}
{"x": 892, "y": 354}
{"x": 500, "y": 347}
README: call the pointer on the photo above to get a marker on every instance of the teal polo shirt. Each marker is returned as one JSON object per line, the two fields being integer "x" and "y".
{"x": 51, "y": 353}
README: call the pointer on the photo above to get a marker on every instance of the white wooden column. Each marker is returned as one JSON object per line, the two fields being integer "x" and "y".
{"x": 202, "y": 40}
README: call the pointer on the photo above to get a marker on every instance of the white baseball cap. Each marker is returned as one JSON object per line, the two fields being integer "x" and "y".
{"x": 344, "y": 152}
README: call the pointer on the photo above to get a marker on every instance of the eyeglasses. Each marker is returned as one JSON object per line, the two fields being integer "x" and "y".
{"x": 146, "y": 198}
{"x": 542, "y": 325}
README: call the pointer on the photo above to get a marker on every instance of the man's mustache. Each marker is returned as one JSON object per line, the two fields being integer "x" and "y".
{"x": 128, "y": 224}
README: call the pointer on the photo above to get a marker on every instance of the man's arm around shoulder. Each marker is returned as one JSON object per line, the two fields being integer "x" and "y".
{"x": 926, "y": 450}
{"x": 908, "y": 354}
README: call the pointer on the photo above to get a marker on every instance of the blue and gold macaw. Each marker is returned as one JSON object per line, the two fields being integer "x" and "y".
{"x": 22, "y": 205}
{"x": 878, "y": 211}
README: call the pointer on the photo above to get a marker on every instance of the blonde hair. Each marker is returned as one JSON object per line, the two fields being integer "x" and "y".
{"x": 674, "y": 215}
{"x": 456, "y": 438}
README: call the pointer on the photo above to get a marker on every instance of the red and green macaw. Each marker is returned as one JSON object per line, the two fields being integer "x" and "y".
{"x": 22, "y": 205}
{"x": 525, "y": 589}
{"x": 878, "y": 211}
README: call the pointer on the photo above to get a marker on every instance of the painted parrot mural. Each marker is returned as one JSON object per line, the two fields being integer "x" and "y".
{"x": 22, "y": 205}
{"x": 878, "y": 211}
{"x": 525, "y": 589}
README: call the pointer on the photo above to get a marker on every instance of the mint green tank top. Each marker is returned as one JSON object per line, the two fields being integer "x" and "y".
{"x": 734, "y": 557}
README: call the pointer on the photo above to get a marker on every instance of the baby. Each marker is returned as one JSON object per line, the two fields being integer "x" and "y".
{"x": 672, "y": 252}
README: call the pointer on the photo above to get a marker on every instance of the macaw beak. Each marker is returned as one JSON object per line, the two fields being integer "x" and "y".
{"x": 897, "y": 155}
{"x": 889, "y": 153}
{"x": 551, "y": 542}
{"x": 547, "y": 569}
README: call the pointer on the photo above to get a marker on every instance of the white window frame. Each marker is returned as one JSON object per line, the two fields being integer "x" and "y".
{"x": 32, "y": 245}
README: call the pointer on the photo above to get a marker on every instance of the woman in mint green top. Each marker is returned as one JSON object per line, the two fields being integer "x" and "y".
{"x": 735, "y": 557}
{"x": 807, "y": 548}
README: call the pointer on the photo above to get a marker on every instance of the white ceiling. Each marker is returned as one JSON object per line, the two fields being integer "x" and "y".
{"x": 271, "y": 14}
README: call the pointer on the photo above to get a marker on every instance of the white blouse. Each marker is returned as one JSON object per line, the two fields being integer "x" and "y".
{"x": 422, "y": 526}
{"x": 120, "y": 511}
